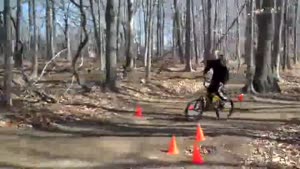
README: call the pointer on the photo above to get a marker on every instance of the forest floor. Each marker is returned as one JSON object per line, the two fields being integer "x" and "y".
{"x": 98, "y": 129}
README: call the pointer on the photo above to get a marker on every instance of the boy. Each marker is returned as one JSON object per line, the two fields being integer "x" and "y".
{"x": 220, "y": 75}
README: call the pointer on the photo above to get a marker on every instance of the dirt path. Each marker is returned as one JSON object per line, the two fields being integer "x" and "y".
{"x": 127, "y": 142}
{"x": 122, "y": 141}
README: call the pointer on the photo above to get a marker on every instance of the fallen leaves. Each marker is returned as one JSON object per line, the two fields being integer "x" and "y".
{"x": 281, "y": 147}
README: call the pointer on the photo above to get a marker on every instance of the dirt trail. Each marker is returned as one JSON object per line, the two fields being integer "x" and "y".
{"x": 128, "y": 142}
{"x": 122, "y": 141}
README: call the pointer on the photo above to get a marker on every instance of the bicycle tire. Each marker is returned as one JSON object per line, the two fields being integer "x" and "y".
{"x": 230, "y": 108}
{"x": 197, "y": 111}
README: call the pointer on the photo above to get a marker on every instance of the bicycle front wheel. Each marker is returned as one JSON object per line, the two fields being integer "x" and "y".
{"x": 194, "y": 109}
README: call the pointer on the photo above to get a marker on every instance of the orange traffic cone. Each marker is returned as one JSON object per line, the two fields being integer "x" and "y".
{"x": 241, "y": 97}
{"x": 199, "y": 135}
{"x": 139, "y": 112}
{"x": 173, "y": 150}
{"x": 197, "y": 158}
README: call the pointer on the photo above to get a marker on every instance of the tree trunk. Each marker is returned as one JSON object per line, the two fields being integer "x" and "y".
{"x": 118, "y": 29}
{"x": 8, "y": 76}
{"x": 277, "y": 38}
{"x": 263, "y": 79}
{"x": 149, "y": 37}
{"x": 162, "y": 36}
{"x": 129, "y": 54}
{"x": 158, "y": 29}
{"x": 35, "y": 64}
{"x": 53, "y": 40}
{"x": 295, "y": 31}
{"x": 111, "y": 37}
{"x": 188, "y": 61}
{"x": 49, "y": 38}
{"x": 102, "y": 42}
{"x": 238, "y": 50}
{"x": 215, "y": 24}
{"x": 18, "y": 57}
{"x": 96, "y": 33}
{"x": 178, "y": 32}
{"x": 195, "y": 33}
{"x": 30, "y": 25}
{"x": 249, "y": 47}
{"x": 208, "y": 43}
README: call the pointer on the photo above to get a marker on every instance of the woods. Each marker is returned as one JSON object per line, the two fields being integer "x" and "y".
{"x": 120, "y": 77}
{"x": 114, "y": 32}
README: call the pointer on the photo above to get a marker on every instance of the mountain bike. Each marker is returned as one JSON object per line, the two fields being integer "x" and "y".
{"x": 195, "y": 108}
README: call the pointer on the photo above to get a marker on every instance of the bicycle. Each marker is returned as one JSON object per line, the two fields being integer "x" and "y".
{"x": 196, "y": 108}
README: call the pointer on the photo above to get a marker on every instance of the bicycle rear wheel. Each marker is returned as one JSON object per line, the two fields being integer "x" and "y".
{"x": 194, "y": 109}
{"x": 227, "y": 107}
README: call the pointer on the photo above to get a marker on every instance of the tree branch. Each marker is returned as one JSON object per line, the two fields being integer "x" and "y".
{"x": 231, "y": 26}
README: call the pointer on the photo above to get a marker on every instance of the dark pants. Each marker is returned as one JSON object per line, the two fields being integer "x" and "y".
{"x": 214, "y": 87}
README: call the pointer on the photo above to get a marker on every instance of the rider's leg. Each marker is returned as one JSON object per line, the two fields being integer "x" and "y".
{"x": 222, "y": 95}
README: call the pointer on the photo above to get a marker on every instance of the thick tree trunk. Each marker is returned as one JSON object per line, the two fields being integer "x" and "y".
{"x": 178, "y": 32}
{"x": 8, "y": 55}
{"x": 111, "y": 37}
{"x": 264, "y": 80}
{"x": 129, "y": 54}
{"x": 188, "y": 61}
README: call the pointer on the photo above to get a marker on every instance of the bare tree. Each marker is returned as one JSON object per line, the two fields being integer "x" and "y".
{"x": 49, "y": 25}
{"x": 264, "y": 80}
{"x": 8, "y": 55}
{"x": 129, "y": 42}
{"x": 111, "y": 35}
{"x": 178, "y": 31}
{"x": 82, "y": 42}
{"x": 96, "y": 32}
{"x": 249, "y": 47}
{"x": 188, "y": 61}
{"x": 18, "y": 56}
{"x": 35, "y": 64}
{"x": 278, "y": 19}
{"x": 148, "y": 53}
{"x": 238, "y": 50}
{"x": 295, "y": 31}
{"x": 208, "y": 38}
{"x": 53, "y": 13}
{"x": 195, "y": 32}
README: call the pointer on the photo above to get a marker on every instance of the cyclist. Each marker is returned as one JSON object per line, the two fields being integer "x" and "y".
{"x": 220, "y": 75}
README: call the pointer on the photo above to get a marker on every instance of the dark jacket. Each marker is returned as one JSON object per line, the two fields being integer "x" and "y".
{"x": 220, "y": 71}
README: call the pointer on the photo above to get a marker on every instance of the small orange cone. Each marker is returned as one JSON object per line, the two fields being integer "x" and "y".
{"x": 173, "y": 150}
{"x": 139, "y": 112}
{"x": 199, "y": 135}
{"x": 241, "y": 97}
{"x": 197, "y": 158}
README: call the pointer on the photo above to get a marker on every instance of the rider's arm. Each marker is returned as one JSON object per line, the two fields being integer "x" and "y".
{"x": 207, "y": 67}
